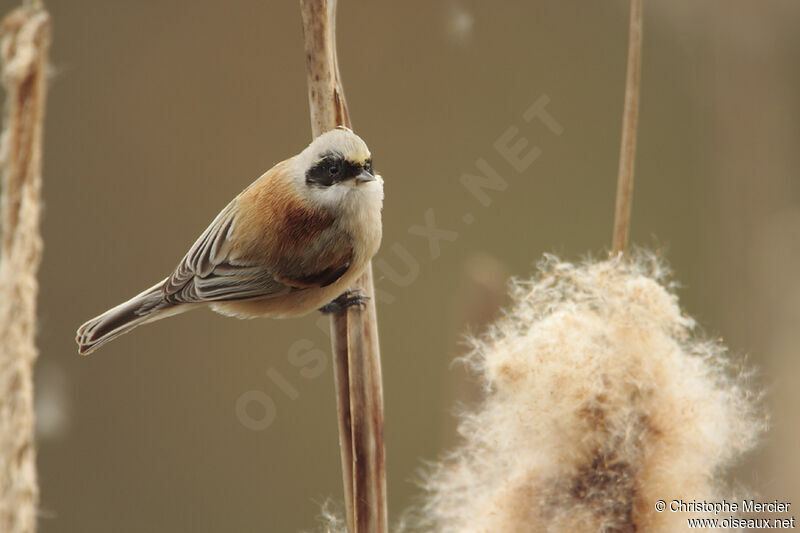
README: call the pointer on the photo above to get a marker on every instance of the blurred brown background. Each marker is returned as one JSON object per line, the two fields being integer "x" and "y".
{"x": 160, "y": 112}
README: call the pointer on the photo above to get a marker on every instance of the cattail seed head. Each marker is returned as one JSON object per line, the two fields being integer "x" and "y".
{"x": 600, "y": 400}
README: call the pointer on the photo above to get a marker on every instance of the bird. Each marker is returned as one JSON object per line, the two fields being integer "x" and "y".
{"x": 292, "y": 242}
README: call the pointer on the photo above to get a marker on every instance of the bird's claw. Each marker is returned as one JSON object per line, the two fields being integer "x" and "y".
{"x": 345, "y": 300}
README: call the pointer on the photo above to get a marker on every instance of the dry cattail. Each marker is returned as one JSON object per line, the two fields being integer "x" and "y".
{"x": 24, "y": 42}
{"x": 600, "y": 401}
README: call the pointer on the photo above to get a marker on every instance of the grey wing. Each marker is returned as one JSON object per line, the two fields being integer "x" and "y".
{"x": 208, "y": 274}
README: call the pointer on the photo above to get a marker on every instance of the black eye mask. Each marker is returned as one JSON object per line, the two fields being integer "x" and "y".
{"x": 332, "y": 168}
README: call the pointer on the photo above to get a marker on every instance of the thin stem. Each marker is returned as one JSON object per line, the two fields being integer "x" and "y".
{"x": 630, "y": 119}
{"x": 357, "y": 364}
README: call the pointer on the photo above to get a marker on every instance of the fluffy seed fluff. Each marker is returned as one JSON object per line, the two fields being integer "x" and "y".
{"x": 601, "y": 399}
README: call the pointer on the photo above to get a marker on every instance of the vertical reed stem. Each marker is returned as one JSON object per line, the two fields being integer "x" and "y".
{"x": 23, "y": 47}
{"x": 357, "y": 365}
{"x": 630, "y": 119}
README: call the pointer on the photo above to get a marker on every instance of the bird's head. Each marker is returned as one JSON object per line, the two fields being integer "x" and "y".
{"x": 336, "y": 166}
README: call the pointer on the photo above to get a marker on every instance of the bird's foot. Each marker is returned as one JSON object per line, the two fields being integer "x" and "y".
{"x": 345, "y": 300}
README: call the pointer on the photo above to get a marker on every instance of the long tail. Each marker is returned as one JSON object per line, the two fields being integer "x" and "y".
{"x": 145, "y": 307}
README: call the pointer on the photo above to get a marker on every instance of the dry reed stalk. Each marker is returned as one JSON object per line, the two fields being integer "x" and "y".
{"x": 630, "y": 119}
{"x": 356, "y": 353}
{"x": 24, "y": 44}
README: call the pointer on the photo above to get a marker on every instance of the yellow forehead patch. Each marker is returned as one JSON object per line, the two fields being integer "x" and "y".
{"x": 360, "y": 157}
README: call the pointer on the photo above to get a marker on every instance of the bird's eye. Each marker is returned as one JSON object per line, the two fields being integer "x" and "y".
{"x": 333, "y": 170}
{"x": 368, "y": 166}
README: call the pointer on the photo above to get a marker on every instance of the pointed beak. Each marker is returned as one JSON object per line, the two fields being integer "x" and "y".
{"x": 364, "y": 177}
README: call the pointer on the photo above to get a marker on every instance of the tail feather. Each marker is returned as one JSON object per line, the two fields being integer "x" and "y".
{"x": 147, "y": 306}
